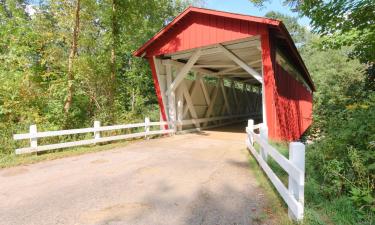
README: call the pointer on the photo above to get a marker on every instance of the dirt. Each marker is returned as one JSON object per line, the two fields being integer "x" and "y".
{"x": 201, "y": 178}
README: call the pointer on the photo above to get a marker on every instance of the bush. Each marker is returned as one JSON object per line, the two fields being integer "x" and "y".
{"x": 342, "y": 160}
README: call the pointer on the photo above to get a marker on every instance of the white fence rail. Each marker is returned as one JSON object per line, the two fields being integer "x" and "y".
{"x": 294, "y": 166}
{"x": 34, "y": 135}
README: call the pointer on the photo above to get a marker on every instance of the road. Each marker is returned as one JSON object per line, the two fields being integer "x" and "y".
{"x": 200, "y": 178}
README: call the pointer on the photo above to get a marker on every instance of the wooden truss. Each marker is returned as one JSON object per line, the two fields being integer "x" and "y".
{"x": 222, "y": 99}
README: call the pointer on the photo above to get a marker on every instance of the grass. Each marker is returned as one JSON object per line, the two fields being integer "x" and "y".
{"x": 11, "y": 160}
{"x": 277, "y": 209}
{"x": 318, "y": 209}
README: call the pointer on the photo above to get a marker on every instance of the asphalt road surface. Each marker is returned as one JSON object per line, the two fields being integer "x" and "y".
{"x": 201, "y": 178}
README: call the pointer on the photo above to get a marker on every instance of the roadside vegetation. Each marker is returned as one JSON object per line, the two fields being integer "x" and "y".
{"x": 65, "y": 64}
{"x": 340, "y": 158}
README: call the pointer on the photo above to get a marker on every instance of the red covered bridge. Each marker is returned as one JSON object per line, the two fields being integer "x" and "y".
{"x": 212, "y": 68}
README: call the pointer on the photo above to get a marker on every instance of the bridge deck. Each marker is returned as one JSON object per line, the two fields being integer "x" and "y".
{"x": 200, "y": 178}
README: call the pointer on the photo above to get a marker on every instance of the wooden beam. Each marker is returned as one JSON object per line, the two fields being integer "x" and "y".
{"x": 241, "y": 63}
{"x": 189, "y": 103}
{"x": 193, "y": 89}
{"x": 205, "y": 92}
{"x": 213, "y": 100}
{"x": 171, "y": 96}
{"x": 186, "y": 55}
{"x": 215, "y": 66}
{"x": 234, "y": 93}
{"x": 184, "y": 71}
{"x": 181, "y": 64}
{"x": 226, "y": 103}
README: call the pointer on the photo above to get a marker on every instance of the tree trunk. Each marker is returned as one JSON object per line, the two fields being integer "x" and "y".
{"x": 72, "y": 55}
{"x": 113, "y": 54}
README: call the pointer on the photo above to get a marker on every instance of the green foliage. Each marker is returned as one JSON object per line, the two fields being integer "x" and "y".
{"x": 340, "y": 162}
{"x": 341, "y": 159}
{"x": 340, "y": 23}
{"x": 34, "y": 51}
{"x": 299, "y": 33}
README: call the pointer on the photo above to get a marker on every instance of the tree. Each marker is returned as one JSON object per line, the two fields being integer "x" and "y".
{"x": 341, "y": 23}
{"x": 72, "y": 55}
{"x": 299, "y": 33}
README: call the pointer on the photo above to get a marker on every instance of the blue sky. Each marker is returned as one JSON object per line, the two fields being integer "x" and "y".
{"x": 245, "y": 7}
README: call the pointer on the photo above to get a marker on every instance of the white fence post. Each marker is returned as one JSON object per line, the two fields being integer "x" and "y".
{"x": 33, "y": 140}
{"x": 250, "y": 125}
{"x": 264, "y": 136}
{"x": 96, "y": 132}
{"x": 297, "y": 157}
{"x": 147, "y": 126}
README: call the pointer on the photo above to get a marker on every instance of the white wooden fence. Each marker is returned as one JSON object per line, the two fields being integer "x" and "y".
{"x": 294, "y": 166}
{"x": 34, "y": 135}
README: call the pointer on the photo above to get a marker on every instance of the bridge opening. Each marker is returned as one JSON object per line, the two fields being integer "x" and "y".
{"x": 211, "y": 86}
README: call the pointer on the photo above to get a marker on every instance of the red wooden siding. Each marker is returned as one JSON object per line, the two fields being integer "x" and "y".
{"x": 269, "y": 85}
{"x": 198, "y": 30}
{"x": 293, "y": 106}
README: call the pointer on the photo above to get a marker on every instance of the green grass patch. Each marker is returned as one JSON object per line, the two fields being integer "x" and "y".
{"x": 318, "y": 209}
{"x": 10, "y": 160}
{"x": 277, "y": 209}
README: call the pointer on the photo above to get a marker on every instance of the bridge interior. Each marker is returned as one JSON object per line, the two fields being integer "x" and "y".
{"x": 212, "y": 86}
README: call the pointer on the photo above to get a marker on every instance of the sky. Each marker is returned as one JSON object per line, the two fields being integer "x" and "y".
{"x": 246, "y": 7}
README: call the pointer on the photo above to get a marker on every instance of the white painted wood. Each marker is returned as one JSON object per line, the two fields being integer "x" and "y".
{"x": 241, "y": 63}
{"x": 96, "y": 132}
{"x": 33, "y": 136}
{"x": 171, "y": 96}
{"x": 250, "y": 126}
{"x": 213, "y": 100}
{"x": 97, "y": 138}
{"x": 181, "y": 64}
{"x": 214, "y": 66}
{"x": 147, "y": 127}
{"x": 226, "y": 71}
{"x": 235, "y": 97}
{"x": 205, "y": 92}
{"x": 85, "y": 130}
{"x": 289, "y": 167}
{"x": 161, "y": 123}
{"x": 226, "y": 103}
{"x": 161, "y": 79}
{"x": 184, "y": 71}
{"x": 264, "y": 137}
{"x": 258, "y": 126}
{"x": 180, "y": 108}
{"x": 186, "y": 55}
{"x": 292, "y": 203}
{"x": 295, "y": 166}
{"x": 91, "y": 141}
{"x": 297, "y": 157}
{"x": 189, "y": 103}
{"x": 193, "y": 89}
